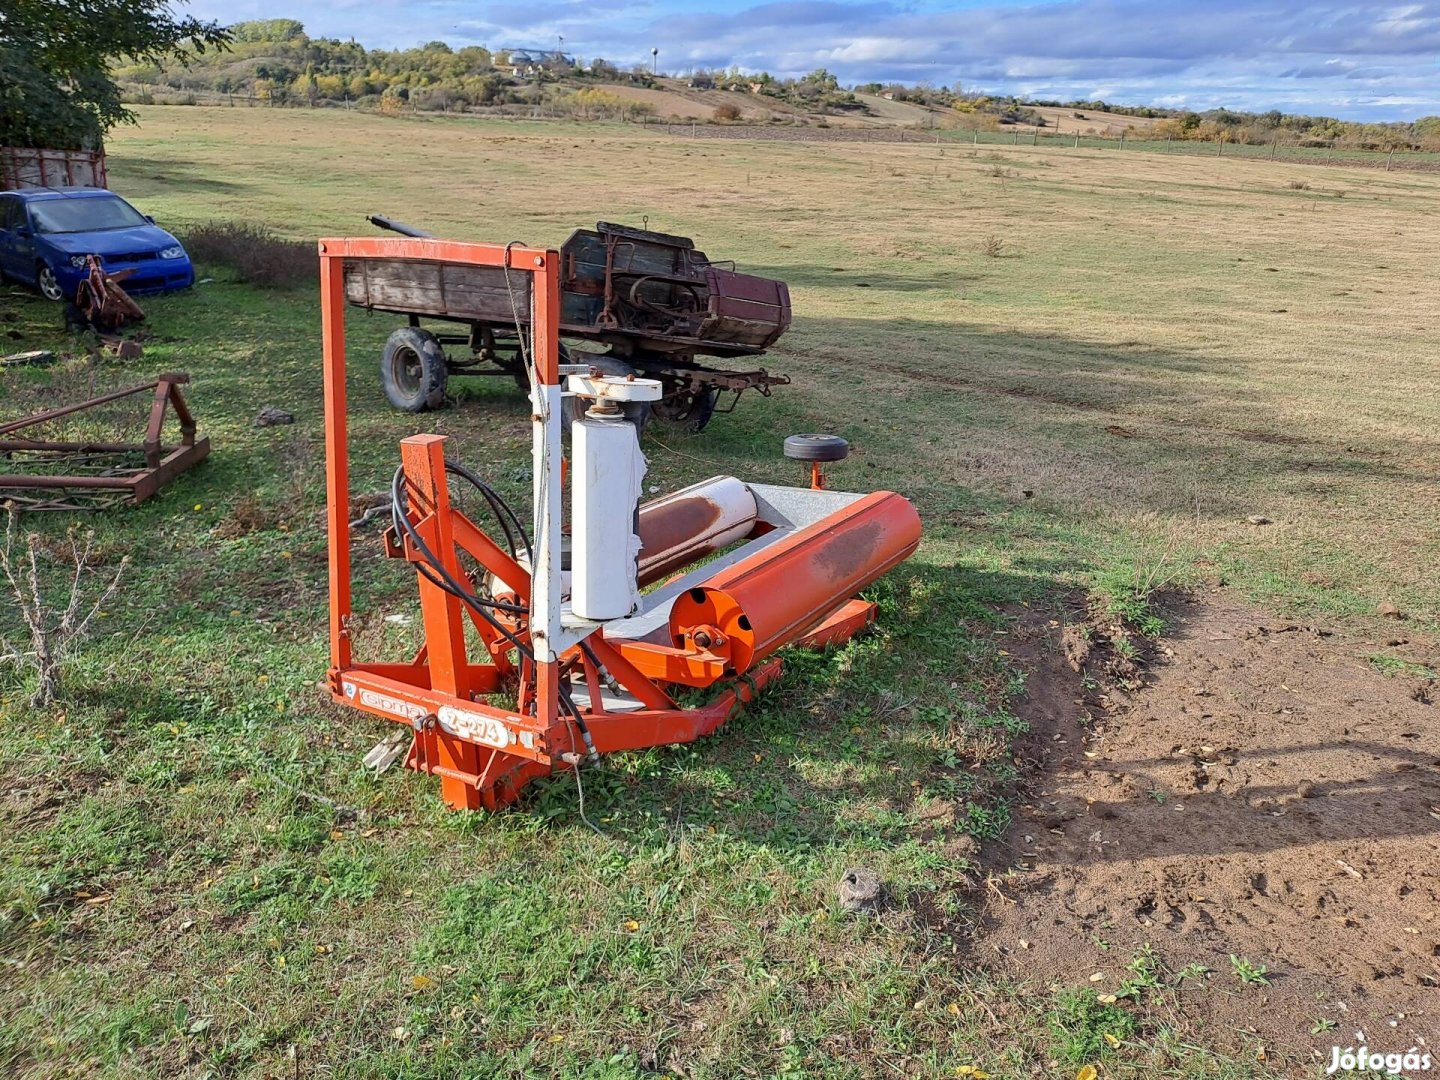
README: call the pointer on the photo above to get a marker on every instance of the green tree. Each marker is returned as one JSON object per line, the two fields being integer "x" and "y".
{"x": 268, "y": 30}
{"x": 56, "y": 88}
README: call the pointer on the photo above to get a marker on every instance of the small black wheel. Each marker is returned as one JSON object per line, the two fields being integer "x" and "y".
{"x": 515, "y": 366}
{"x": 412, "y": 370}
{"x": 816, "y": 448}
{"x": 637, "y": 412}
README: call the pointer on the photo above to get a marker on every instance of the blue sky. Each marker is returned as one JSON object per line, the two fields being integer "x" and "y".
{"x": 1377, "y": 61}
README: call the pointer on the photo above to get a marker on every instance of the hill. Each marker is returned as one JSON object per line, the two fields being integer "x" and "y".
{"x": 276, "y": 63}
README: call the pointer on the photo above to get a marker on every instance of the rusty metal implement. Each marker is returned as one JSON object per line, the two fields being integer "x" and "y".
{"x": 100, "y": 472}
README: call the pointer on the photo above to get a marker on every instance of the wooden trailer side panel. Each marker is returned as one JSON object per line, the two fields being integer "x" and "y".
{"x": 439, "y": 289}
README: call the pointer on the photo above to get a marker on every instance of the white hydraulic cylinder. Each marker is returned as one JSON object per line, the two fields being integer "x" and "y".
{"x": 608, "y": 473}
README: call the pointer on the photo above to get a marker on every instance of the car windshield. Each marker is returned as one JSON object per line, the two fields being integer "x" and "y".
{"x": 83, "y": 215}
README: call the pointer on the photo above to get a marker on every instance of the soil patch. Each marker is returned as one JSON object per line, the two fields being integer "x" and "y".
{"x": 1266, "y": 793}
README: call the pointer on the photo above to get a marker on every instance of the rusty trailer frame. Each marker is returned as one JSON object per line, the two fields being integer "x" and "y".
{"x": 115, "y": 468}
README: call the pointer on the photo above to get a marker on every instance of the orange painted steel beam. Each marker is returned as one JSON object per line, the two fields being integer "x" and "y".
{"x": 337, "y": 459}
{"x": 629, "y": 675}
{"x": 840, "y": 625}
{"x": 664, "y": 727}
{"x": 667, "y": 664}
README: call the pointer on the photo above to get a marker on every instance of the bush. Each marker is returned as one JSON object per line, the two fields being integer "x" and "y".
{"x": 727, "y": 113}
{"x": 257, "y": 255}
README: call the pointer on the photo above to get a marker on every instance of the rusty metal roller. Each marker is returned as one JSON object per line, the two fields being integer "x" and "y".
{"x": 680, "y": 528}
{"x": 749, "y": 610}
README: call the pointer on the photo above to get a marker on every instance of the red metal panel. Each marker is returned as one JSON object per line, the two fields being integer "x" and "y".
{"x": 750, "y": 310}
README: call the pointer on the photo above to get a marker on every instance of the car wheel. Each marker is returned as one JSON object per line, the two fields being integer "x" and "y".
{"x": 413, "y": 371}
{"x": 48, "y": 283}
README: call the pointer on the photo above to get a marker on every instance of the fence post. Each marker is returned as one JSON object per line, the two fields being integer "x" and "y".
{"x": 1219, "y": 147}
{"x": 1273, "y": 144}
{"x": 976, "y": 141}
{"x": 1389, "y": 159}
{"x": 1122, "y": 140}
{"x": 1077, "y": 140}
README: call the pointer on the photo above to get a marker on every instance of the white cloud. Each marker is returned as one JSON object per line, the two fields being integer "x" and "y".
{"x": 1242, "y": 53}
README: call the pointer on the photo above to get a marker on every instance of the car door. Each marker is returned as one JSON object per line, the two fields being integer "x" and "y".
{"x": 9, "y": 242}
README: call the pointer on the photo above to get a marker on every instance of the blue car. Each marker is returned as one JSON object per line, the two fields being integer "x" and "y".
{"x": 46, "y": 233}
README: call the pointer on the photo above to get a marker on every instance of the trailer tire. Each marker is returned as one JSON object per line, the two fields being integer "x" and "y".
{"x": 688, "y": 412}
{"x": 413, "y": 371}
{"x": 637, "y": 412}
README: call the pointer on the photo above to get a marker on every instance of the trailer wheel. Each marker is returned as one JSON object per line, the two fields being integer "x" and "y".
{"x": 637, "y": 412}
{"x": 517, "y": 371}
{"x": 689, "y": 411}
{"x": 412, "y": 370}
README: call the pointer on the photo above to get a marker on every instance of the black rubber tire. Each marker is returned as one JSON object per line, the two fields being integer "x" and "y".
{"x": 816, "y": 448}
{"x": 522, "y": 377}
{"x": 700, "y": 411}
{"x": 637, "y": 412}
{"x": 413, "y": 371}
{"x": 42, "y": 273}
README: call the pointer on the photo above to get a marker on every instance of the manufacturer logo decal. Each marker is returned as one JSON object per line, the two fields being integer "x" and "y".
{"x": 394, "y": 706}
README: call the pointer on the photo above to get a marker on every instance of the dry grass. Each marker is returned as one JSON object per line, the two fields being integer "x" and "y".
{"x": 1270, "y": 357}
{"x": 256, "y": 254}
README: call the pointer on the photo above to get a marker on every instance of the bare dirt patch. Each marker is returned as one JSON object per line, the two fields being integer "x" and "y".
{"x": 1267, "y": 794}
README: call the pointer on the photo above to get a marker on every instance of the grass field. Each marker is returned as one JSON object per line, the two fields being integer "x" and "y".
{"x": 199, "y": 879}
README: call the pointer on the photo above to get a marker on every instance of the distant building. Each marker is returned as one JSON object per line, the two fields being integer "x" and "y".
{"x": 529, "y": 61}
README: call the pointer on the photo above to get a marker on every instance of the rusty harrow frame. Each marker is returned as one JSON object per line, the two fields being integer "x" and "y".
{"x": 108, "y": 472}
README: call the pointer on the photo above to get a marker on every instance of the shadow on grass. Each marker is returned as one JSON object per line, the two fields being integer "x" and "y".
{"x": 901, "y": 736}
{"x": 167, "y": 176}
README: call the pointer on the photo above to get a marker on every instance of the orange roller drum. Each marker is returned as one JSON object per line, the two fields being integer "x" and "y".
{"x": 751, "y": 609}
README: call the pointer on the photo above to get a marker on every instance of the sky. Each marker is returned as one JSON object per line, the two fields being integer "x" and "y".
{"x": 1364, "y": 61}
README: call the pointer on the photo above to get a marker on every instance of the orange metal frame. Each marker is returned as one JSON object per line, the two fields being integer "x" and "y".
{"x": 484, "y": 752}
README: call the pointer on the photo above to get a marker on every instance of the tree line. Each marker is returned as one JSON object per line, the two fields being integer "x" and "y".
{"x": 69, "y": 67}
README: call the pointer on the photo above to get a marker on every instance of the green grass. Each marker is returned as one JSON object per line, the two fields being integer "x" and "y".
{"x": 1394, "y": 665}
{"x": 199, "y": 879}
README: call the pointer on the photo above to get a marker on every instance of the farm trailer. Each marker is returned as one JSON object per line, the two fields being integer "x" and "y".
{"x": 654, "y": 300}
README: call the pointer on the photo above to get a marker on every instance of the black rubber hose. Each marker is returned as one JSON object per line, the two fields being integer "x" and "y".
{"x": 454, "y": 588}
